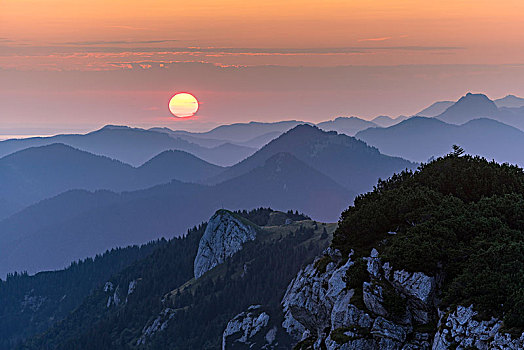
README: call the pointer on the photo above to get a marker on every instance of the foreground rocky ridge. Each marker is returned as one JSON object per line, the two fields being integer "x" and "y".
{"x": 390, "y": 309}
{"x": 238, "y": 264}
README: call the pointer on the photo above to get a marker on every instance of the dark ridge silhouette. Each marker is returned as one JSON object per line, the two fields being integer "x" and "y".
{"x": 348, "y": 161}
{"x": 37, "y": 173}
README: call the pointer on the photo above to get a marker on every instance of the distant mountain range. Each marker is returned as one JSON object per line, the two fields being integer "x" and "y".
{"x": 508, "y": 110}
{"x": 385, "y": 121}
{"x": 476, "y": 123}
{"x": 36, "y": 173}
{"x": 132, "y": 146}
{"x": 316, "y": 172}
{"x": 437, "y": 108}
{"x": 59, "y": 191}
{"x": 419, "y": 139}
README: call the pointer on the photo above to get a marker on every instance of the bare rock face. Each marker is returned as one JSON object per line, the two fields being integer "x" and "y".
{"x": 250, "y": 329}
{"x": 309, "y": 298}
{"x": 392, "y": 309}
{"x": 459, "y": 329}
{"x": 319, "y": 308}
{"x": 224, "y": 236}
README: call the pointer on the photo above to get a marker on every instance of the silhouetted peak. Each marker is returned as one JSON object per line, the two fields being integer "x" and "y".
{"x": 304, "y": 129}
{"x": 476, "y": 101}
{"x": 468, "y": 107}
{"x": 115, "y": 127}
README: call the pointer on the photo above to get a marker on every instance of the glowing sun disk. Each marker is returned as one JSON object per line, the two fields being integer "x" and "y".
{"x": 183, "y": 105}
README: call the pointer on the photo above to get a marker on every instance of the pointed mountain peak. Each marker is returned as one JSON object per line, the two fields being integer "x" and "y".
{"x": 115, "y": 127}
{"x": 469, "y": 107}
{"x": 304, "y": 128}
{"x": 478, "y": 102}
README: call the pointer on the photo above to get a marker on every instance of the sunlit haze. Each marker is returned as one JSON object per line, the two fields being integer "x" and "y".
{"x": 75, "y": 66}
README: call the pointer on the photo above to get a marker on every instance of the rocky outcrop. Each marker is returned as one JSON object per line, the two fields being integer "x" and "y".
{"x": 331, "y": 315}
{"x": 115, "y": 294}
{"x": 249, "y": 328}
{"x": 160, "y": 323}
{"x": 389, "y": 309}
{"x": 460, "y": 329}
{"x": 224, "y": 236}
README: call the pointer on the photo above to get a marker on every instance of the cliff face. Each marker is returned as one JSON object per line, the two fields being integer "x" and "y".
{"x": 381, "y": 308}
{"x": 224, "y": 236}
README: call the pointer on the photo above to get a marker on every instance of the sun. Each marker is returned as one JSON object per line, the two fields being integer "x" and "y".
{"x": 183, "y": 105}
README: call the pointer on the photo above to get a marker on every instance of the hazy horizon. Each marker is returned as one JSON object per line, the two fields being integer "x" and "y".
{"x": 74, "y": 67}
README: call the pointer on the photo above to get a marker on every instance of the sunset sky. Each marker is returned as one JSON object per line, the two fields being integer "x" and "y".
{"x": 68, "y": 65}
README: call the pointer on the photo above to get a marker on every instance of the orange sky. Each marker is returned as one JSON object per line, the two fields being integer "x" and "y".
{"x": 487, "y": 31}
{"x": 114, "y": 35}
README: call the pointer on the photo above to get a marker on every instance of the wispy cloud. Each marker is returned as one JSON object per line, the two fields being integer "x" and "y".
{"x": 97, "y": 47}
{"x": 384, "y": 38}
{"x": 93, "y": 56}
{"x": 116, "y": 42}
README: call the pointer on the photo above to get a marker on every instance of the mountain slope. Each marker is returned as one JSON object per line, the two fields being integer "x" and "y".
{"x": 31, "y": 304}
{"x": 435, "y": 109}
{"x": 77, "y": 224}
{"x": 178, "y": 165}
{"x": 33, "y": 174}
{"x": 420, "y": 138}
{"x": 130, "y": 145}
{"x": 198, "y": 309}
{"x": 285, "y": 182}
{"x": 346, "y": 160}
{"x": 344, "y": 125}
